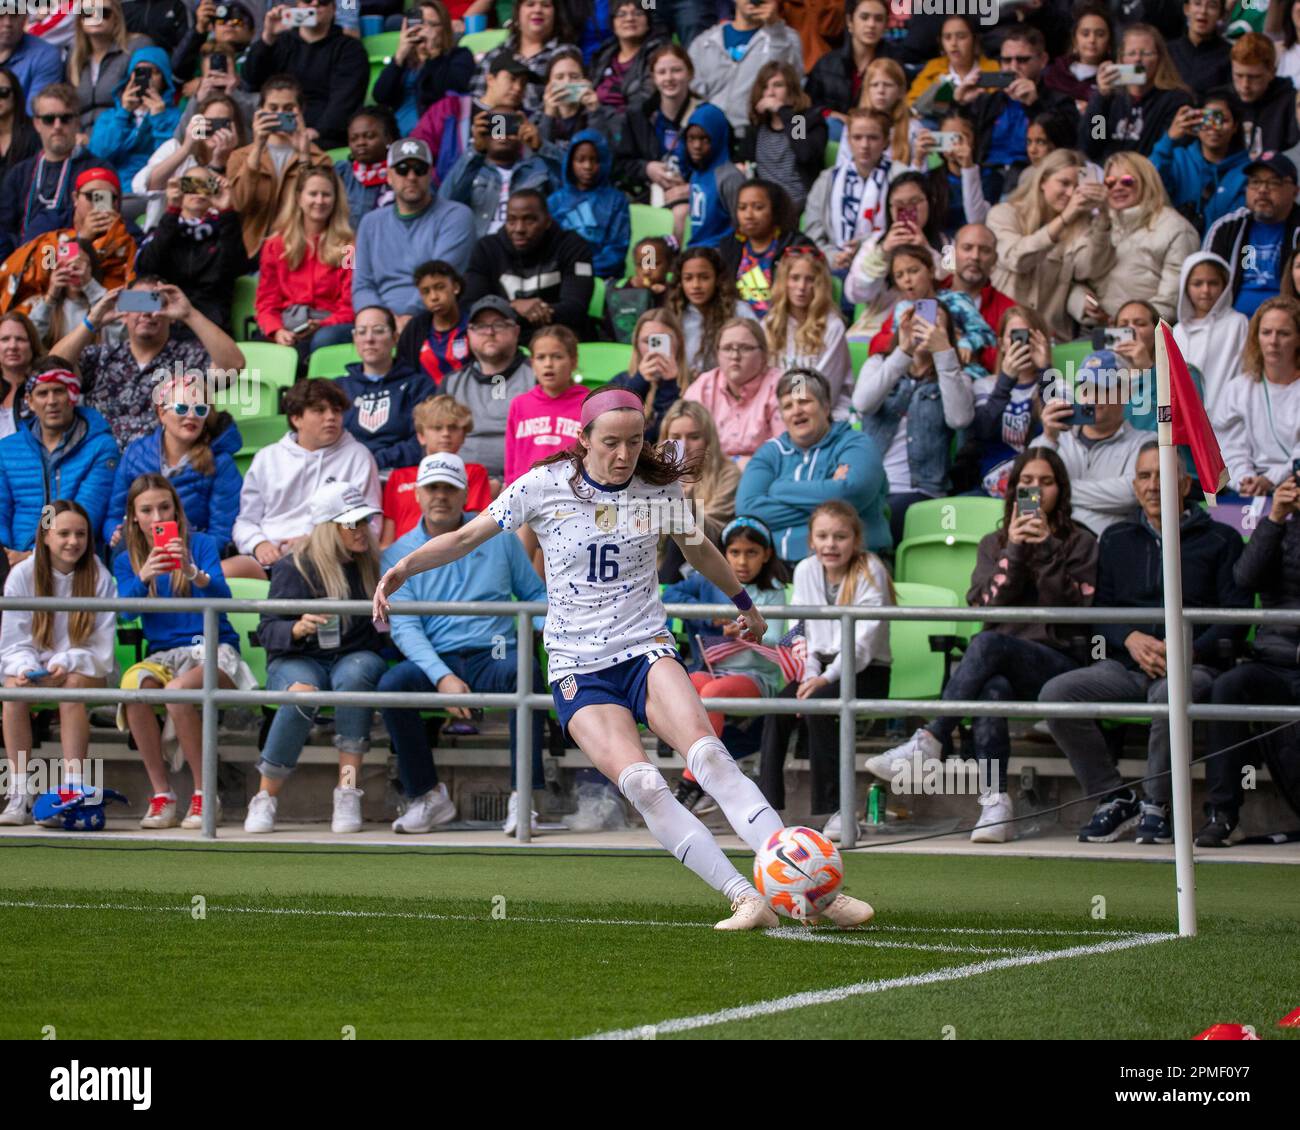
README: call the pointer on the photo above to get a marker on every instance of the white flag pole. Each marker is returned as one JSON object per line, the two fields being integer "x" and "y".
{"x": 1177, "y": 652}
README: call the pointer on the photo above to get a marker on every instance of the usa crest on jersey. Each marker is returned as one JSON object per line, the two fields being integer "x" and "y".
{"x": 373, "y": 414}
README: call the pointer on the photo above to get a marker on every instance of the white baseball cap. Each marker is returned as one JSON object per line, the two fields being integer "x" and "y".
{"x": 442, "y": 467}
{"x": 337, "y": 501}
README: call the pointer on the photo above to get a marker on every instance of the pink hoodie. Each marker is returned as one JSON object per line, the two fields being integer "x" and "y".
{"x": 539, "y": 425}
{"x": 743, "y": 425}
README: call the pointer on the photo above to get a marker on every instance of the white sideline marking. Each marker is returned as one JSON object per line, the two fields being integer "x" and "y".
{"x": 845, "y": 992}
{"x": 857, "y": 938}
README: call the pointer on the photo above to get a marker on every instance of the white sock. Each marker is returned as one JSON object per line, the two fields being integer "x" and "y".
{"x": 19, "y": 787}
{"x": 680, "y": 832}
{"x": 741, "y": 801}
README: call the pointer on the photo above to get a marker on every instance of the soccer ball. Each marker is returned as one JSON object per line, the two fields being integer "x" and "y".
{"x": 799, "y": 872}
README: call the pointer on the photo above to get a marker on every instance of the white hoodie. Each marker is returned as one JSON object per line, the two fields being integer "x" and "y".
{"x": 275, "y": 502}
{"x": 1214, "y": 344}
{"x": 19, "y": 652}
{"x": 870, "y": 637}
{"x": 1261, "y": 429}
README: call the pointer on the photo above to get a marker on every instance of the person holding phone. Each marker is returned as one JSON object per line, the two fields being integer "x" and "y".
{"x": 227, "y": 25}
{"x": 538, "y": 29}
{"x": 957, "y": 180}
{"x": 570, "y": 106}
{"x": 657, "y": 372}
{"x": 961, "y": 56}
{"x": 1202, "y": 161}
{"x": 206, "y": 142}
{"x": 426, "y": 65}
{"x": 145, "y": 115}
{"x": 54, "y": 649}
{"x": 73, "y": 290}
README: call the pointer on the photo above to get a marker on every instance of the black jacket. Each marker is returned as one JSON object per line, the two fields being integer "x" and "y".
{"x": 275, "y": 633}
{"x": 334, "y": 74}
{"x": 637, "y": 86}
{"x": 809, "y": 145}
{"x": 14, "y": 192}
{"x": 830, "y": 83}
{"x": 558, "y": 271}
{"x": 987, "y": 108}
{"x": 1129, "y": 125}
{"x": 637, "y": 145}
{"x": 1130, "y": 575}
{"x": 1203, "y": 66}
{"x": 1229, "y": 235}
{"x": 1268, "y": 124}
{"x": 205, "y": 269}
{"x": 450, "y": 73}
{"x": 163, "y": 21}
{"x": 1270, "y": 566}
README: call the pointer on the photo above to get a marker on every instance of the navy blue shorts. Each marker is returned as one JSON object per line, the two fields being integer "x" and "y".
{"x": 623, "y": 684}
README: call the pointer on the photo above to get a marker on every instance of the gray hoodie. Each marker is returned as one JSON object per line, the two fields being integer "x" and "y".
{"x": 1214, "y": 343}
{"x": 726, "y": 83}
{"x": 1101, "y": 475}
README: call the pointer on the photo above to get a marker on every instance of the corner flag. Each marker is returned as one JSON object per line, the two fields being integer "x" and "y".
{"x": 1186, "y": 414}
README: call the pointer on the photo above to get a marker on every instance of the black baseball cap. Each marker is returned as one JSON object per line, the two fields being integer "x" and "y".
{"x": 1275, "y": 163}
{"x": 505, "y": 61}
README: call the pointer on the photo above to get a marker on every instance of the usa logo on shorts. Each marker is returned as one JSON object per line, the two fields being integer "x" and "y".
{"x": 569, "y": 688}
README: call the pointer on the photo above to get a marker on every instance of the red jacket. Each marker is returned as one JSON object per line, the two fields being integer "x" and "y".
{"x": 993, "y": 304}
{"x": 313, "y": 284}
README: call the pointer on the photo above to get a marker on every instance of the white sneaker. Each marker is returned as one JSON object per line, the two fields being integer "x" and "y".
{"x": 990, "y": 829}
{"x": 922, "y": 745}
{"x": 17, "y": 812}
{"x": 194, "y": 818}
{"x": 750, "y": 912}
{"x": 512, "y": 817}
{"x": 427, "y": 812}
{"x": 261, "y": 813}
{"x": 347, "y": 810}
{"x": 831, "y": 830}
{"x": 845, "y": 912}
{"x": 162, "y": 812}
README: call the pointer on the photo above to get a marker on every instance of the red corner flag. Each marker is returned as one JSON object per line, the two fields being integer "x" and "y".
{"x": 1186, "y": 414}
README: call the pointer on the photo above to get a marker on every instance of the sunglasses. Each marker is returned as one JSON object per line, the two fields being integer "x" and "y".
{"x": 198, "y": 411}
{"x": 50, "y": 119}
{"x": 411, "y": 169}
{"x": 800, "y": 250}
{"x": 1125, "y": 181}
{"x": 1267, "y": 183}
{"x": 492, "y": 328}
{"x": 1007, "y": 60}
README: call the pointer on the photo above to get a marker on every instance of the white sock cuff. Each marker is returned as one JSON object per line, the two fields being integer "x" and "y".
{"x": 698, "y": 756}
{"x": 639, "y": 780}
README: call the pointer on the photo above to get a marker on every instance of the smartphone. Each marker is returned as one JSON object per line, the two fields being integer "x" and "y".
{"x": 140, "y": 83}
{"x": 927, "y": 309}
{"x": 1212, "y": 118}
{"x": 217, "y": 124}
{"x": 300, "y": 17}
{"x": 164, "y": 533}
{"x": 202, "y": 185}
{"x": 1131, "y": 74}
{"x": 68, "y": 250}
{"x": 1082, "y": 414}
{"x": 139, "y": 302}
{"x": 504, "y": 125}
{"x": 946, "y": 140}
{"x": 906, "y": 215}
{"x": 573, "y": 91}
{"x": 37, "y": 673}
{"x": 287, "y": 122}
{"x": 1029, "y": 500}
{"x": 1107, "y": 337}
{"x": 1295, "y": 469}
{"x": 995, "y": 80}
{"x": 1020, "y": 336}
{"x": 659, "y": 343}
{"x": 218, "y": 63}
{"x": 412, "y": 19}
{"x": 101, "y": 200}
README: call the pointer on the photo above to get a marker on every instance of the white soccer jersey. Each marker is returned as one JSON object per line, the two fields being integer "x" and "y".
{"x": 602, "y": 587}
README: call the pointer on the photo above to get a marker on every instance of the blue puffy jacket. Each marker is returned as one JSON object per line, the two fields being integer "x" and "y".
{"x": 1202, "y": 191}
{"x": 81, "y": 469}
{"x": 126, "y": 141}
{"x": 211, "y": 502}
{"x": 599, "y": 214}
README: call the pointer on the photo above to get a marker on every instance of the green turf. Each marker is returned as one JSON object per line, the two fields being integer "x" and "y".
{"x": 393, "y": 968}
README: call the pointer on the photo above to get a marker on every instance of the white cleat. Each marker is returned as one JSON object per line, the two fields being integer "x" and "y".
{"x": 990, "y": 829}
{"x": 261, "y": 813}
{"x": 347, "y": 810}
{"x": 427, "y": 812}
{"x": 832, "y": 829}
{"x": 750, "y": 912}
{"x": 922, "y": 746}
{"x": 846, "y": 912}
{"x": 512, "y": 817}
{"x": 17, "y": 812}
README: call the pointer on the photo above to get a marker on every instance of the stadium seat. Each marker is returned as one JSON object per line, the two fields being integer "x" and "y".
{"x": 338, "y": 154}
{"x": 859, "y": 351}
{"x": 600, "y": 362}
{"x": 243, "y": 319}
{"x": 597, "y": 308}
{"x": 831, "y": 154}
{"x": 1070, "y": 355}
{"x": 918, "y": 670}
{"x": 331, "y": 360}
{"x": 480, "y": 43}
{"x": 271, "y": 364}
{"x": 245, "y": 623}
{"x": 382, "y": 46}
{"x": 258, "y": 433}
{"x": 647, "y": 221}
{"x": 837, "y": 289}
{"x": 967, "y": 515}
{"x": 945, "y": 559}
{"x": 249, "y": 399}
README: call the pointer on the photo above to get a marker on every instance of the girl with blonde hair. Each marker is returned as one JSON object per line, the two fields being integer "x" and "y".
{"x": 803, "y": 325}
{"x": 711, "y": 487}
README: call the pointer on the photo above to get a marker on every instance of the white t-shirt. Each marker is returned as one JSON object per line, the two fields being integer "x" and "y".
{"x": 602, "y": 587}
{"x": 7, "y": 427}
{"x": 506, "y": 175}
{"x": 898, "y": 471}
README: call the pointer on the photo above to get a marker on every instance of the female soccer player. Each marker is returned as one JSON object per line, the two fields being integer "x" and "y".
{"x": 598, "y": 509}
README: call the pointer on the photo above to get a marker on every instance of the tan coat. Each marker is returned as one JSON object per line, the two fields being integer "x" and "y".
{"x": 257, "y": 194}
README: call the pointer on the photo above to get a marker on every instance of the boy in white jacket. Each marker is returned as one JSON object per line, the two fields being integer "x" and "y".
{"x": 1210, "y": 332}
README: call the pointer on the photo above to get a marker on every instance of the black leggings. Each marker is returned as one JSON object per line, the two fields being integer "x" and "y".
{"x": 823, "y": 742}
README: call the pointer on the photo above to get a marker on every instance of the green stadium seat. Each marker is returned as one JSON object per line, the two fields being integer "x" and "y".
{"x": 945, "y": 559}
{"x": 837, "y": 288}
{"x": 481, "y": 42}
{"x": 918, "y": 671}
{"x": 647, "y": 221}
{"x": 600, "y": 362}
{"x": 272, "y": 364}
{"x": 338, "y": 154}
{"x": 1070, "y": 355}
{"x": 382, "y": 46}
{"x": 249, "y": 400}
{"x": 968, "y": 515}
{"x": 258, "y": 433}
{"x": 832, "y": 152}
{"x": 332, "y": 360}
{"x": 245, "y": 623}
{"x": 243, "y": 320}
{"x": 597, "y": 308}
{"x": 859, "y": 351}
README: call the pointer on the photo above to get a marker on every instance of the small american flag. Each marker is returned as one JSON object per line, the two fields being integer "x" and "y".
{"x": 790, "y": 653}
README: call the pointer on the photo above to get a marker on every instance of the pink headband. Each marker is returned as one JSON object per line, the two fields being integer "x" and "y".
{"x": 607, "y": 400}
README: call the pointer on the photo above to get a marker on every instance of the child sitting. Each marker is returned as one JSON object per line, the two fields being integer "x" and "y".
{"x": 715, "y": 181}
{"x": 435, "y": 339}
{"x": 364, "y": 171}
{"x": 652, "y": 272}
{"x": 590, "y": 205}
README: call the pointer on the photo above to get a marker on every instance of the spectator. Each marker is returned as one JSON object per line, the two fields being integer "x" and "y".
{"x": 1139, "y": 354}
{"x": 740, "y": 393}
{"x": 115, "y": 375}
{"x": 436, "y": 340}
{"x": 217, "y": 75}
{"x": 304, "y": 288}
{"x": 787, "y": 133}
{"x": 417, "y": 226}
{"x": 275, "y": 502}
{"x": 205, "y": 144}
{"x": 1210, "y": 333}
{"x": 18, "y": 137}
{"x": 620, "y": 67}
{"x": 961, "y": 56}
{"x": 1279, "y": 23}
{"x": 654, "y": 264}
{"x": 1263, "y": 103}
{"x": 885, "y": 90}
{"x": 542, "y": 271}
{"x": 569, "y": 102}
{"x": 97, "y": 59}
{"x": 441, "y": 425}
{"x": 835, "y": 80}
{"x": 453, "y": 654}
{"x": 333, "y": 67}
{"x": 144, "y": 116}
{"x": 847, "y": 201}
{"x": 498, "y": 373}
{"x": 767, "y": 224}
{"x": 704, "y": 300}
{"x": 1133, "y": 116}
{"x": 840, "y": 570}
{"x": 650, "y": 160}
{"x": 590, "y": 205}
{"x": 728, "y": 56}
{"x": 1267, "y": 566}
{"x": 187, "y": 566}
{"x": 657, "y": 372}
{"x": 816, "y": 459}
{"x": 1051, "y": 234}
{"x": 804, "y": 329}
{"x": 1154, "y": 239}
{"x": 230, "y": 31}
{"x": 162, "y": 21}
{"x": 426, "y": 66}
{"x": 1038, "y": 557}
{"x": 315, "y": 652}
{"x": 1047, "y": 133}
{"x": 364, "y": 171}
{"x": 548, "y": 416}
{"x": 1269, "y": 225}
{"x": 912, "y": 402}
{"x": 54, "y": 649}
{"x": 20, "y": 347}
{"x": 712, "y": 489}
{"x": 537, "y": 30}
{"x": 1203, "y": 57}
{"x": 73, "y": 290}
{"x": 261, "y": 173}
{"x": 383, "y": 392}
{"x": 37, "y": 193}
{"x": 60, "y": 450}
{"x": 197, "y": 245}
{"x": 1075, "y": 73}
{"x": 1202, "y": 161}
{"x": 1099, "y": 456}
{"x": 956, "y": 185}
{"x": 818, "y": 23}
{"x": 34, "y": 63}
{"x": 714, "y": 181}
{"x": 1134, "y": 670}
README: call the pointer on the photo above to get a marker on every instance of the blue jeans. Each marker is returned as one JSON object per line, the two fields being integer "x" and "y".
{"x": 330, "y": 335}
{"x": 482, "y": 673}
{"x": 353, "y": 671}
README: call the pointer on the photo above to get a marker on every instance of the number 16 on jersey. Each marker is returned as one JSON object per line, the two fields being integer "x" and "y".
{"x": 603, "y": 560}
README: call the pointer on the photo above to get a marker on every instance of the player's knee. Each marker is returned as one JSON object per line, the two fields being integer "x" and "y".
{"x": 643, "y": 785}
{"x": 707, "y": 757}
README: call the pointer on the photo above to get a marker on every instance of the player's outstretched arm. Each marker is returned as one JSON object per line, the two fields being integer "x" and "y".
{"x": 436, "y": 551}
{"x": 703, "y": 556}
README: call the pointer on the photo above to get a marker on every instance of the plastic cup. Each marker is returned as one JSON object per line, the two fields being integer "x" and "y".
{"x": 329, "y": 635}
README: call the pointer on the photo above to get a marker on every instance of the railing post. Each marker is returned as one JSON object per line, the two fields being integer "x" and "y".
{"x": 211, "y": 638}
{"x": 848, "y": 734}
{"x": 524, "y": 728}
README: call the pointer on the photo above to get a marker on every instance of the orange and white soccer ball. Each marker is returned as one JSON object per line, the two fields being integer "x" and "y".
{"x": 799, "y": 872}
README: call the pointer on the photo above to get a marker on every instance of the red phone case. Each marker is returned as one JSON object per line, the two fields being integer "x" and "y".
{"x": 164, "y": 533}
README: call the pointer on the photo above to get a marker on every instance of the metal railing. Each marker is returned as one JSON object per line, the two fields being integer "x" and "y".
{"x": 211, "y": 698}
